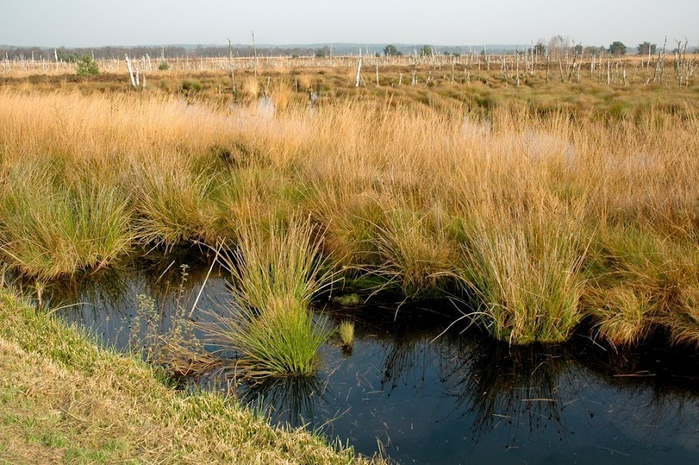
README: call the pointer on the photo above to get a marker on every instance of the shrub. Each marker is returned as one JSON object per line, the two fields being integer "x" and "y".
{"x": 87, "y": 66}
{"x": 191, "y": 87}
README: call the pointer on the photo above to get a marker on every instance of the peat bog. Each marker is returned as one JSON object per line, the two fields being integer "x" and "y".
{"x": 513, "y": 259}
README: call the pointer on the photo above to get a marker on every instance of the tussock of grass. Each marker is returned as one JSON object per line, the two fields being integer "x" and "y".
{"x": 643, "y": 280}
{"x": 415, "y": 250}
{"x": 276, "y": 272}
{"x": 525, "y": 273}
{"x": 283, "y": 339}
{"x": 350, "y": 223}
{"x": 63, "y": 399}
{"x": 49, "y": 229}
{"x": 624, "y": 317}
{"x": 174, "y": 204}
{"x": 683, "y": 321}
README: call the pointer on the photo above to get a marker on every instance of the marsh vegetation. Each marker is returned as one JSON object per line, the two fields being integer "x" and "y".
{"x": 539, "y": 208}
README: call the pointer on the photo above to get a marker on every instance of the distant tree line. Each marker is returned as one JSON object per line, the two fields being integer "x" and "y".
{"x": 555, "y": 46}
{"x": 558, "y": 45}
{"x": 167, "y": 52}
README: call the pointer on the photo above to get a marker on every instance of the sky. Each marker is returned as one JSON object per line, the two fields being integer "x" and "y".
{"x": 94, "y": 23}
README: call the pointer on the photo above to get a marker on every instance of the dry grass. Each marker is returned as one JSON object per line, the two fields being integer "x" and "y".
{"x": 408, "y": 183}
{"x": 523, "y": 262}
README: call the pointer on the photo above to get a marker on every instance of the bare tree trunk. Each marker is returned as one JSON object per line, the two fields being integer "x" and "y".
{"x": 560, "y": 69}
{"x": 254, "y": 52}
{"x": 359, "y": 70}
{"x": 128, "y": 65}
{"x": 232, "y": 67}
{"x": 660, "y": 64}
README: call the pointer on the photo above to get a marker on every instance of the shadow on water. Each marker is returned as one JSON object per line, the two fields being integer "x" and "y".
{"x": 460, "y": 398}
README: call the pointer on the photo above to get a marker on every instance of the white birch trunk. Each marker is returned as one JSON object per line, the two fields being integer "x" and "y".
{"x": 128, "y": 65}
{"x": 358, "y": 78}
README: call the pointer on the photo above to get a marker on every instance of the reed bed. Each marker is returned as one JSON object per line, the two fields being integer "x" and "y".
{"x": 540, "y": 218}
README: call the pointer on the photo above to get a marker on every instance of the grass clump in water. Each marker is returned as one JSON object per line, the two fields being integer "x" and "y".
{"x": 346, "y": 333}
{"x": 276, "y": 271}
{"x": 525, "y": 274}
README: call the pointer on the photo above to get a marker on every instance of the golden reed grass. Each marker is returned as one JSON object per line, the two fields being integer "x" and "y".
{"x": 408, "y": 192}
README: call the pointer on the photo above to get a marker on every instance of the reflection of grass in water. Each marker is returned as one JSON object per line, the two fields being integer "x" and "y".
{"x": 174, "y": 346}
{"x": 490, "y": 381}
{"x": 65, "y": 295}
{"x": 289, "y": 399}
{"x": 516, "y": 385}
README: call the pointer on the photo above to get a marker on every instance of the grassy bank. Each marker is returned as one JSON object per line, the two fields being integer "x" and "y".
{"x": 63, "y": 400}
{"x": 537, "y": 219}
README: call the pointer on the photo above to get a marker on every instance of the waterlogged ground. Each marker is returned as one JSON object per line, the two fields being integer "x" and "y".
{"x": 457, "y": 399}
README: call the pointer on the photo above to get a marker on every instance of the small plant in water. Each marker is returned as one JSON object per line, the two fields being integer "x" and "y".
{"x": 346, "y": 333}
{"x": 173, "y": 345}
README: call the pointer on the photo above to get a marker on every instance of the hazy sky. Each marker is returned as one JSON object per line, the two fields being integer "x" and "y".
{"x": 85, "y": 23}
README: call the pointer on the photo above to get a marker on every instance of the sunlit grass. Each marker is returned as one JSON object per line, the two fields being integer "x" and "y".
{"x": 416, "y": 252}
{"x": 525, "y": 272}
{"x": 276, "y": 270}
{"x": 49, "y": 229}
{"x": 346, "y": 332}
{"x": 415, "y": 186}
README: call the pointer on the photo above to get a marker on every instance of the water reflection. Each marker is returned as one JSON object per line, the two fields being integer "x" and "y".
{"x": 459, "y": 399}
{"x": 289, "y": 400}
{"x": 497, "y": 384}
{"x": 131, "y": 304}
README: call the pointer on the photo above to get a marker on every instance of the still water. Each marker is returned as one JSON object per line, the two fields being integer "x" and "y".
{"x": 456, "y": 399}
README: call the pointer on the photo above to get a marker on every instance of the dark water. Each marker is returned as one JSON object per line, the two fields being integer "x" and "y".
{"x": 458, "y": 399}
